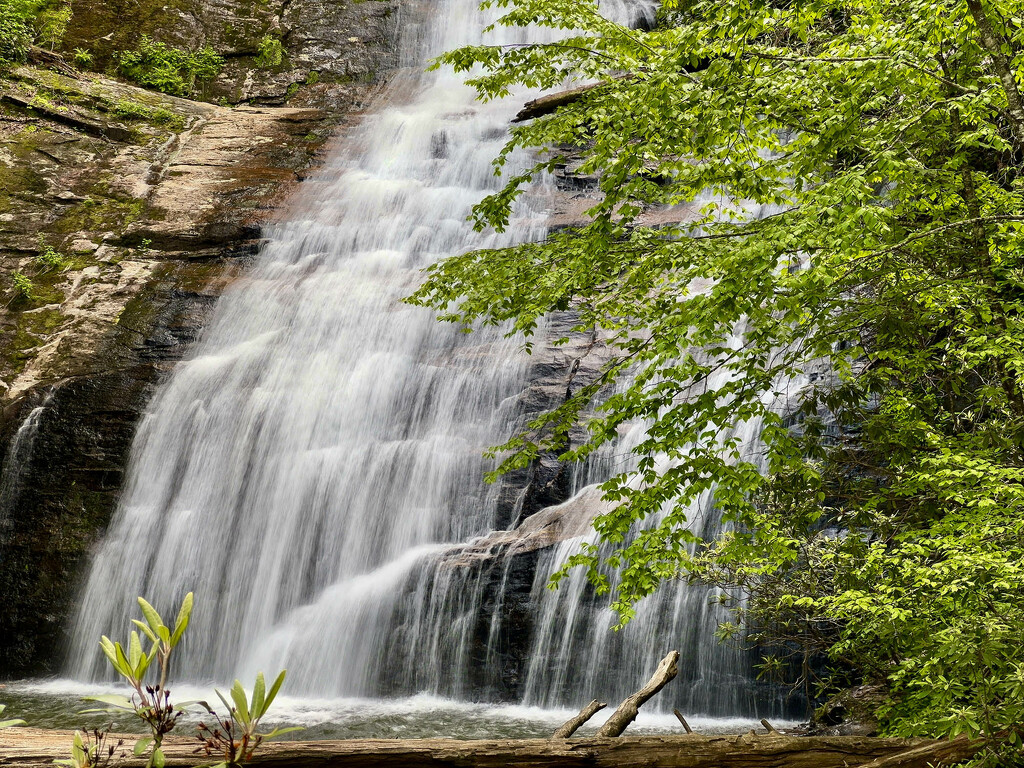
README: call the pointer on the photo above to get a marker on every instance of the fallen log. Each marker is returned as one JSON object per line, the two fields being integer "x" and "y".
{"x": 570, "y": 726}
{"x": 945, "y": 752}
{"x": 45, "y": 58}
{"x": 34, "y": 748}
{"x": 545, "y": 105}
{"x": 630, "y": 706}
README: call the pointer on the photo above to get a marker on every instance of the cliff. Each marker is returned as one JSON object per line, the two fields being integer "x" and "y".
{"x": 123, "y": 214}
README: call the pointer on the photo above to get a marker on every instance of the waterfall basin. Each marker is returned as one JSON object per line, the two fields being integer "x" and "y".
{"x": 58, "y": 703}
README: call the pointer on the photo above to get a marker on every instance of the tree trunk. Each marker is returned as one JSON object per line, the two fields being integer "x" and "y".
{"x": 630, "y": 706}
{"x": 572, "y": 725}
{"x": 35, "y": 748}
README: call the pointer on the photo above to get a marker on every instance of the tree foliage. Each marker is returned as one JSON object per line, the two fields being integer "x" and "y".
{"x": 848, "y": 179}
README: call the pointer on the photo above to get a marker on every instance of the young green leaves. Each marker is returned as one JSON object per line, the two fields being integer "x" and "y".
{"x": 235, "y": 738}
{"x": 150, "y": 703}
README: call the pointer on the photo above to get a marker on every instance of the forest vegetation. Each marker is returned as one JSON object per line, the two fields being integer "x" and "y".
{"x": 878, "y": 531}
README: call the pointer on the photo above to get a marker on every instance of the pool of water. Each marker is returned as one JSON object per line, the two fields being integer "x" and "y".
{"x": 59, "y": 704}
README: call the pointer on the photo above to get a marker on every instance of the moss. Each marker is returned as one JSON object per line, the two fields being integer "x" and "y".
{"x": 49, "y": 90}
{"x": 31, "y": 329}
{"x": 138, "y": 314}
{"x": 104, "y": 210}
{"x": 21, "y": 178}
{"x": 129, "y": 109}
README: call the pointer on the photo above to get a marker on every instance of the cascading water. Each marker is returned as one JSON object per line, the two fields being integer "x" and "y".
{"x": 304, "y": 468}
{"x": 574, "y": 649}
{"x": 18, "y": 454}
{"x": 323, "y": 433}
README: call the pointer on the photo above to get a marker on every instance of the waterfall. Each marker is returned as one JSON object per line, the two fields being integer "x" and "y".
{"x": 323, "y": 435}
{"x": 574, "y": 648}
{"x": 304, "y": 470}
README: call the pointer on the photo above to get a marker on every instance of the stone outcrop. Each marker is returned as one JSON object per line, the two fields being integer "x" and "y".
{"x": 329, "y": 50}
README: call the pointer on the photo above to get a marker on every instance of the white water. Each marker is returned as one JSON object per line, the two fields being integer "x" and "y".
{"x": 323, "y": 442}
{"x": 323, "y": 433}
{"x": 57, "y": 704}
{"x": 573, "y": 649}
{"x": 18, "y": 454}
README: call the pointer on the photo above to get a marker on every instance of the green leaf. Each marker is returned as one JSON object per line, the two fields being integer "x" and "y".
{"x": 142, "y": 745}
{"x": 258, "y": 697}
{"x": 157, "y": 759}
{"x": 274, "y": 689}
{"x": 149, "y": 612}
{"x": 280, "y": 731}
{"x": 134, "y": 652}
{"x": 122, "y": 665}
{"x": 241, "y": 705}
{"x": 144, "y": 628}
{"x": 108, "y": 650}
{"x": 184, "y": 616}
{"x": 113, "y": 699}
{"x": 227, "y": 705}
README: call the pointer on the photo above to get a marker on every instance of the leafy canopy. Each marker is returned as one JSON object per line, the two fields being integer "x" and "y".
{"x": 846, "y": 174}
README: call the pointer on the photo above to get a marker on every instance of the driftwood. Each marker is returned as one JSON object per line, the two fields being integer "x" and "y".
{"x": 34, "y": 748}
{"x": 681, "y": 719}
{"x": 545, "y": 105}
{"x": 630, "y": 706}
{"x": 570, "y": 726}
{"x": 43, "y": 57}
{"x": 769, "y": 726}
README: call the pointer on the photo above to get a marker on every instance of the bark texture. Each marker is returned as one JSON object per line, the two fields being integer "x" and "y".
{"x": 32, "y": 748}
{"x": 627, "y": 711}
{"x": 572, "y": 725}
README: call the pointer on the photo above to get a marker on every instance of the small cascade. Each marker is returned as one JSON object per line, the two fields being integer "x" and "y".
{"x": 575, "y": 649}
{"x": 19, "y": 452}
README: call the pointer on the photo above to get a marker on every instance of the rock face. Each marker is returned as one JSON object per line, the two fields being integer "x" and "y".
{"x": 123, "y": 214}
{"x": 328, "y": 50}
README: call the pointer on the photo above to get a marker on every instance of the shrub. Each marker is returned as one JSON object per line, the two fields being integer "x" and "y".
{"x": 15, "y": 32}
{"x": 233, "y": 737}
{"x": 133, "y": 110}
{"x": 24, "y": 288}
{"x": 53, "y": 25}
{"x": 168, "y": 69}
{"x": 83, "y": 58}
{"x": 271, "y": 52}
{"x": 48, "y": 259}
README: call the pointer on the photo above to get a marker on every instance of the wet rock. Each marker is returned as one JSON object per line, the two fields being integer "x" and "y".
{"x": 849, "y": 713}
